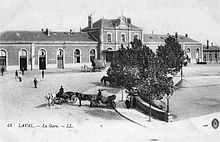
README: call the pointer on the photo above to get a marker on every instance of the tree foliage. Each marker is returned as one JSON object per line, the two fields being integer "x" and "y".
{"x": 140, "y": 68}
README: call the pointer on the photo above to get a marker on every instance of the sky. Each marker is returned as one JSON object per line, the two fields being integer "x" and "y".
{"x": 200, "y": 19}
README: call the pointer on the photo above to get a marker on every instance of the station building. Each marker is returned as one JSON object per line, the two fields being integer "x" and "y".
{"x": 99, "y": 40}
{"x": 211, "y": 53}
{"x": 45, "y": 49}
{"x": 191, "y": 47}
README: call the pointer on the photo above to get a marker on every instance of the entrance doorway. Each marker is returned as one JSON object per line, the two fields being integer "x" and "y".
{"x": 23, "y": 59}
{"x": 109, "y": 56}
{"x": 60, "y": 63}
{"x": 3, "y": 59}
{"x": 42, "y": 59}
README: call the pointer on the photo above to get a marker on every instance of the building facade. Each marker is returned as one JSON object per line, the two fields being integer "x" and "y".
{"x": 191, "y": 47}
{"x": 111, "y": 34}
{"x": 211, "y": 54}
{"x": 45, "y": 49}
{"x": 99, "y": 40}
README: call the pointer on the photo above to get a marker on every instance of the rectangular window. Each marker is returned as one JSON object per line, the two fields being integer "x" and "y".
{"x": 122, "y": 37}
{"x": 109, "y": 37}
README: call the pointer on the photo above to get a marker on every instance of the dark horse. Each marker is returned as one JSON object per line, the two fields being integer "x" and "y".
{"x": 105, "y": 79}
{"x": 83, "y": 97}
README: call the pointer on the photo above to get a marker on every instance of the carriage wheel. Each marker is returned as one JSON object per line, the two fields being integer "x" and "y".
{"x": 73, "y": 99}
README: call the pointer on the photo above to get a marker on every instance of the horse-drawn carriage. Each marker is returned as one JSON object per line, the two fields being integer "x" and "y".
{"x": 72, "y": 97}
{"x": 97, "y": 65}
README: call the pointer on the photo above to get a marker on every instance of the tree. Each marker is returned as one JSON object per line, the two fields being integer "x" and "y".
{"x": 140, "y": 68}
{"x": 170, "y": 56}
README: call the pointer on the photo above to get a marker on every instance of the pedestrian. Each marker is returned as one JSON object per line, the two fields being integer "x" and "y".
{"x": 19, "y": 76}
{"x": 42, "y": 73}
{"x": 22, "y": 70}
{"x": 35, "y": 82}
{"x": 16, "y": 74}
{"x": 128, "y": 102}
{"x": 2, "y": 70}
{"x": 93, "y": 65}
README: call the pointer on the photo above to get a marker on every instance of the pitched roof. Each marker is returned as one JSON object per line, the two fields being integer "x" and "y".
{"x": 110, "y": 23}
{"x": 211, "y": 48}
{"x": 42, "y": 36}
{"x": 161, "y": 38}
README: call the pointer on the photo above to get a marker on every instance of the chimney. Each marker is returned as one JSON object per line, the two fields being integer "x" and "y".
{"x": 186, "y": 35}
{"x": 90, "y": 21}
{"x": 80, "y": 30}
{"x": 47, "y": 32}
{"x": 176, "y": 35}
{"x": 71, "y": 31}
{"x": 152, "y": 32}
{"x": 129, "y": 20}
{"x": 207, "y": 44}
{"x": 212, "y": 44}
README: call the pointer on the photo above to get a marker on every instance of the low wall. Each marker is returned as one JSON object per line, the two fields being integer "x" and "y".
{"x": 155, "y": 112}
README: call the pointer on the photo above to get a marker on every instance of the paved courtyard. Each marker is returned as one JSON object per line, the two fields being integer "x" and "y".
{"x": 199, "y": 92}
{"x": 22, "y": 104}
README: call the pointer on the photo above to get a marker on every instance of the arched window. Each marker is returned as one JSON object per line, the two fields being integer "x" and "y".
{"x": 42, "y": 52}
{"x": 92, "y": 54}
{"x": 2, "y": 58}
{"x": 188, "y": 49}
{"x": 77, "y": 56}
{"x": 23, "y": 52}
{"x": 60, "y": 52}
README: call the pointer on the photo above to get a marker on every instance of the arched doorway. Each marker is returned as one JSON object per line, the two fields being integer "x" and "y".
{"x": 60, "y": 62}
{"x": 92, "y": 54}
{"x": 109, "y": 55}
{"x": 77, "y": 56}
{"x": 3, "y": 58}
{"x": 42, "y": 59}
{"x": 23, "y": 59}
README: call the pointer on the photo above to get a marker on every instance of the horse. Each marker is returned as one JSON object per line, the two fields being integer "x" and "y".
{"x": 68, "y": 96}
{"x": 50, "y": 98}
{"x": 83, "y": 97}
{"x": 105, "y": 79}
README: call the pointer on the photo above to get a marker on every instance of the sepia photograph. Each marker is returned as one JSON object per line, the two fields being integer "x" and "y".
{"x": 109, "y": 70}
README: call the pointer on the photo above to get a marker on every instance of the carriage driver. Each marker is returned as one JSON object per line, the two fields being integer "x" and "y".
{"x": 61, "y": 91}
{"x": 99, "y": 96}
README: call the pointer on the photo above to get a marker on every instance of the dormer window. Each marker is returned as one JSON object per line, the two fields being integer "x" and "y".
{"x": 109, "y": 37}
{"x": 136, "y": 36}
{"x": 122, "y": 37}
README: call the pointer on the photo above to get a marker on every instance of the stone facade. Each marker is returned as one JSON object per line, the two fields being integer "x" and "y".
{"x": 111, "y": 34}
{"x": 192, "y": 48}
{"x": 35, "y": 50}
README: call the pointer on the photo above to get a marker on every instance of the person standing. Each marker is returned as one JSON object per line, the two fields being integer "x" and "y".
{"x": 35, "y": 82}
{"x": 22, "y": 70}
{"x": 16, "y": 74}
{"x": 19, "y": 76}
{"x": 42, "y": 73}
{"x": 2, "y": 70}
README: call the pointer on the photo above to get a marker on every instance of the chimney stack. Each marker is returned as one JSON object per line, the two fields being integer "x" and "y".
{"x": 176, "y": 35}
{"x": 47, "y": 32}
{"x": 90, "y": 21}
{"x": 186, "y": 35}
{"x": 207, "y": 44}
{"x": 212, "y": 44}
{"x": 129, "y": 20}
{"x": 80, "y": 30}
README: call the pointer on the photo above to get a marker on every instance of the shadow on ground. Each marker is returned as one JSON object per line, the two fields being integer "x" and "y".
{"x": 108, "y": 114}
{"x": 42, "y": 105}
